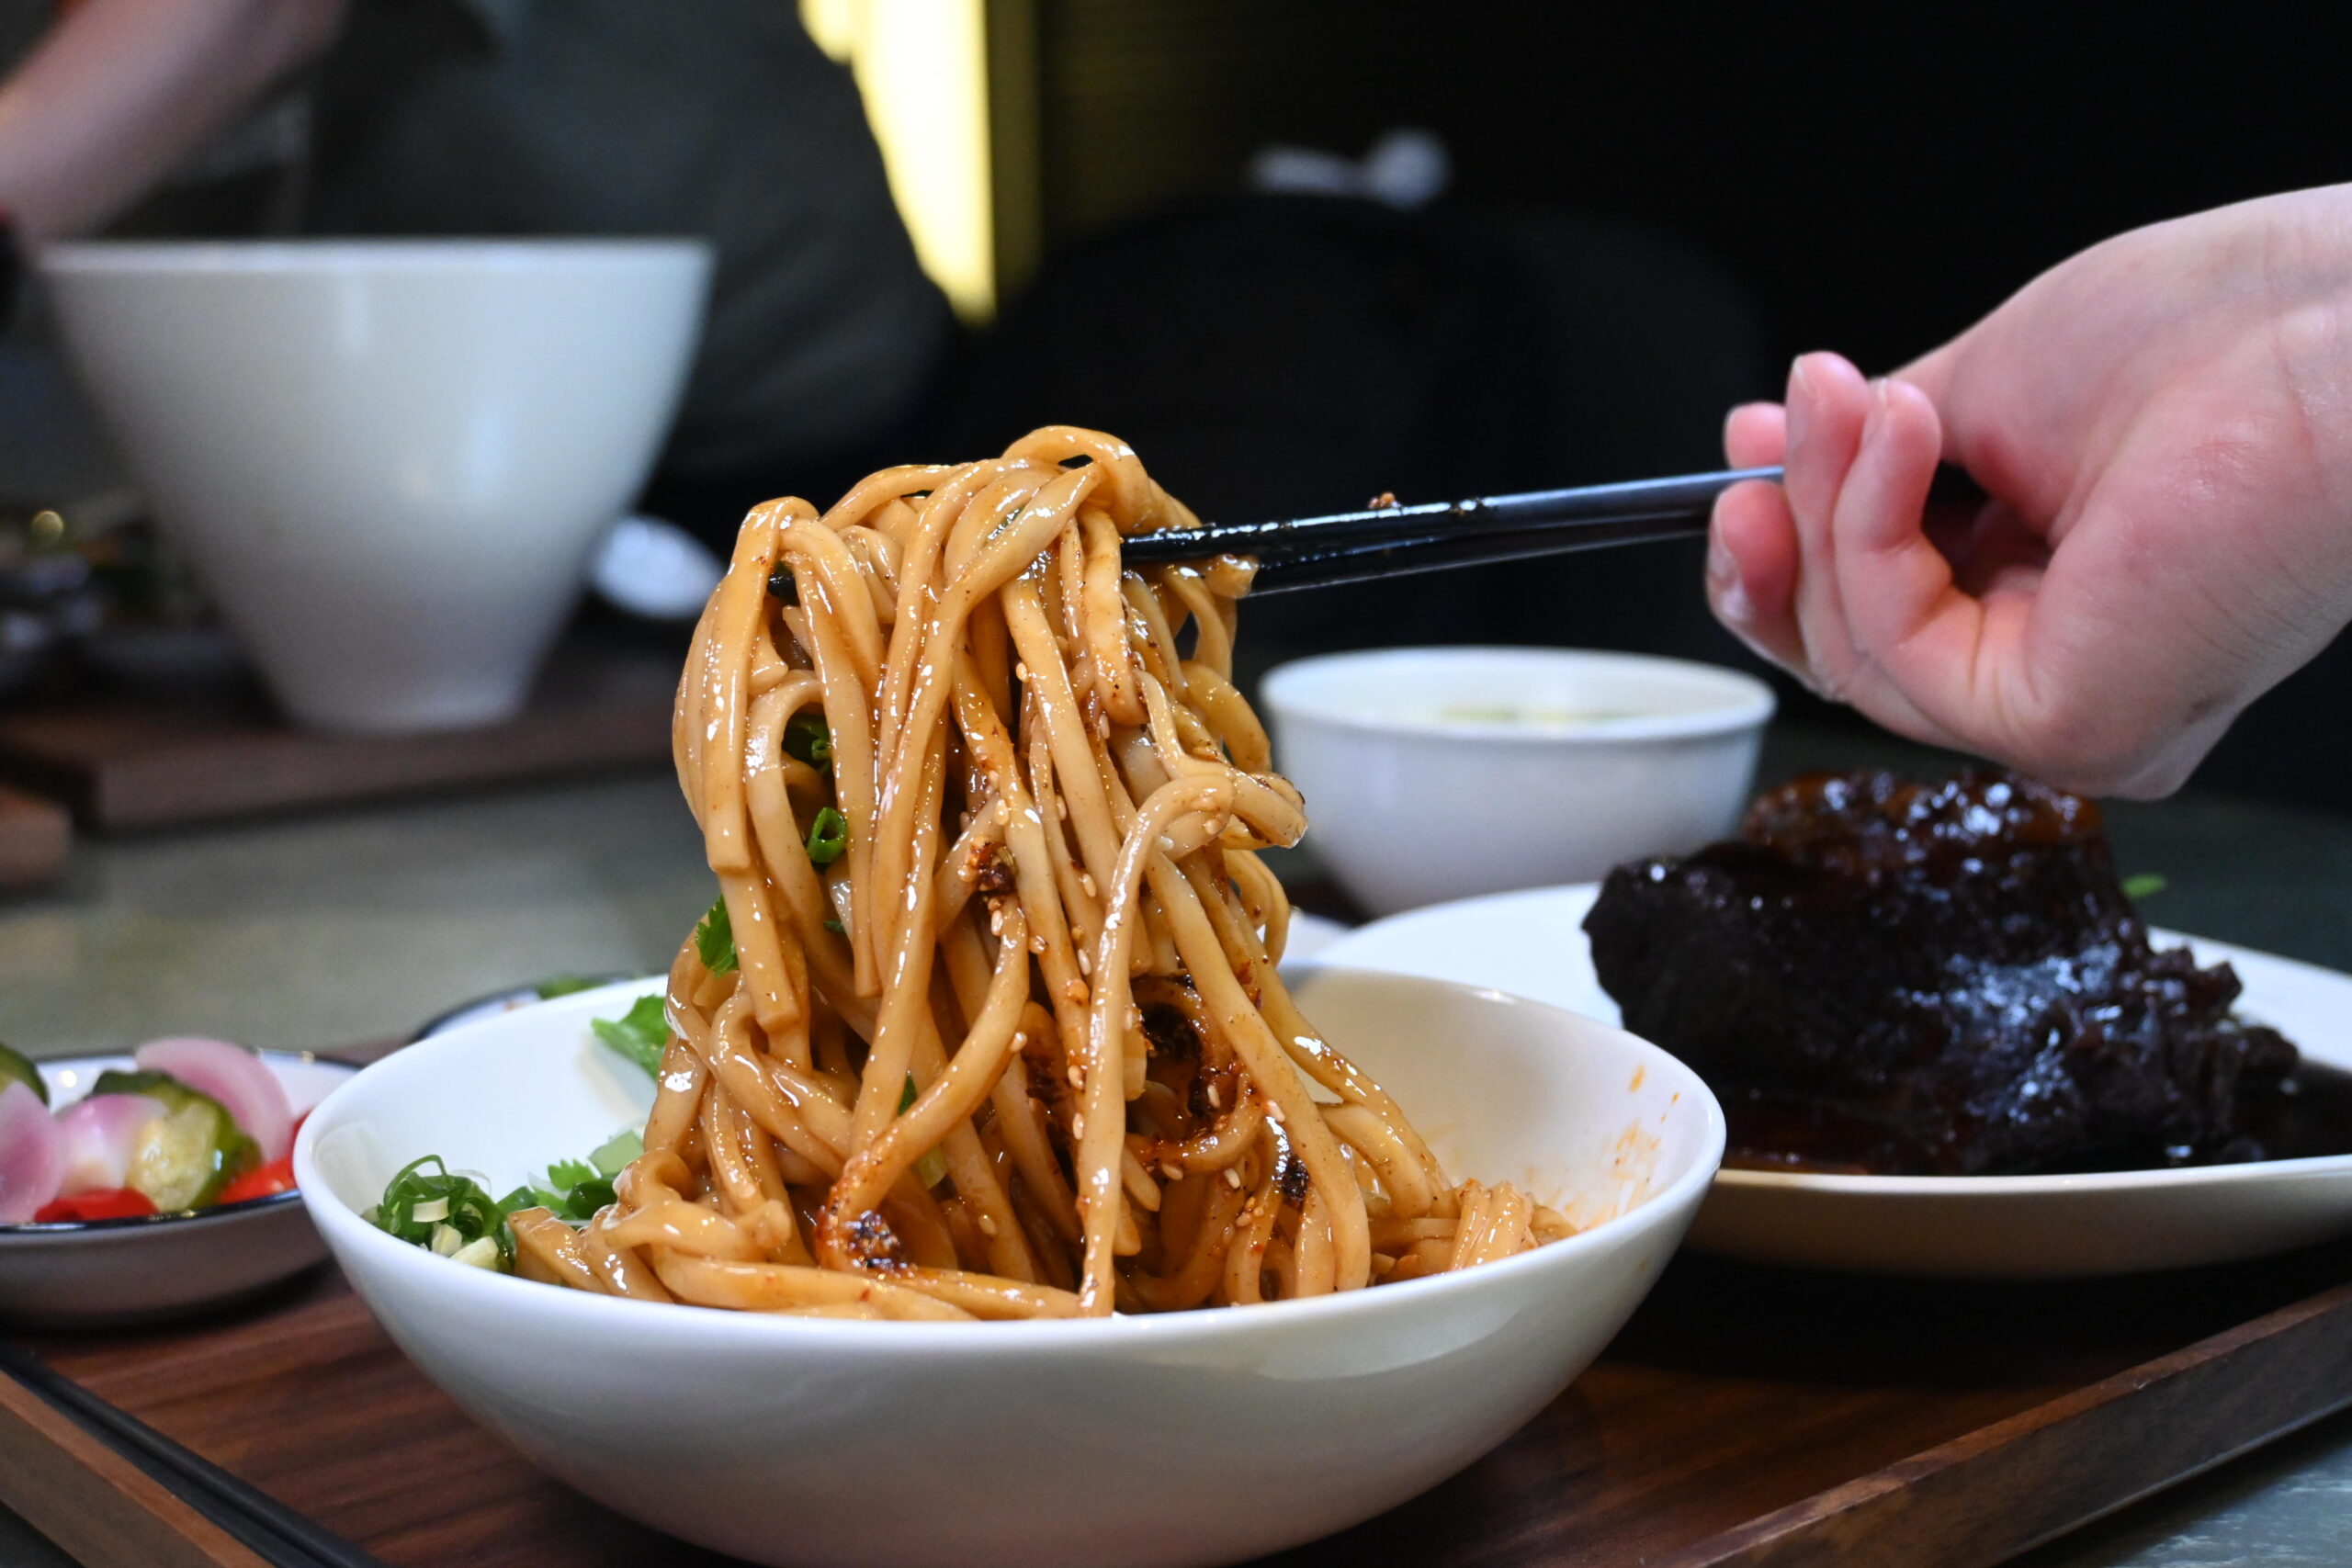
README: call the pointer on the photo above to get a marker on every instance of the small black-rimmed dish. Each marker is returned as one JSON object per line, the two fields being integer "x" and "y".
{"x": 101, "y": 1273}
{"x": 507, "y": 1000}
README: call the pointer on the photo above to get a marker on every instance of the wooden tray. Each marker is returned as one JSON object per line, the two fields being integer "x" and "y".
{"x": 1745, "y": 1417}
{"x": 124, "y": 763}
{"x": 33, "y": 840}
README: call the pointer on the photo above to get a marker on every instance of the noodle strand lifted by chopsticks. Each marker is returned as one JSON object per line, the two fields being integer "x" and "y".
{"x": 1017, "y": 1048}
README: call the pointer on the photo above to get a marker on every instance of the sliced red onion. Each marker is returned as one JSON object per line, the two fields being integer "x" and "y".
{"x": 247, "y": 1088}
{"x": 101, "y": 1134}
{"x": 32, "y": 1155}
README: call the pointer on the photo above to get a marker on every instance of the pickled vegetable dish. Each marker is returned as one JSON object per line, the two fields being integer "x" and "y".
{"x": 195, "y": 1125}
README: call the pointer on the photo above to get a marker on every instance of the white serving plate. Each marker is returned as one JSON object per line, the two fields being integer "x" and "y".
{"x": 1532, "y": 944}
{"x": 1193, "y": 1437}
{"x": 108, "y": 1272}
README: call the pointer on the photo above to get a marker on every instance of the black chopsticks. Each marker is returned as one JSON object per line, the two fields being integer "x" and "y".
{"x": 1392, "y": 541}
{"x": 268, "y": 1528}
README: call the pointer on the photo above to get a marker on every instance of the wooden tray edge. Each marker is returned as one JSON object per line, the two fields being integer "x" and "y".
{"x": 1982, "y": 1498}
{"x": 93, "y": 1503}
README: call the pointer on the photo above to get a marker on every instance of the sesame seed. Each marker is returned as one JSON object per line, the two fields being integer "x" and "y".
{"x": 1085, "y": 964}
{"x": 1233, "y": 1179}
{"x": 987, "y": 1226}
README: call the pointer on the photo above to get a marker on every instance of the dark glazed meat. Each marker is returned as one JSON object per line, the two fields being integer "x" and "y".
{"x": 1930, "y": 979}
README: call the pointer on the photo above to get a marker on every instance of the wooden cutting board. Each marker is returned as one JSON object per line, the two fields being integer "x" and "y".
{"x": 34, "y": 836}
{"x": 1745, "y": 1417}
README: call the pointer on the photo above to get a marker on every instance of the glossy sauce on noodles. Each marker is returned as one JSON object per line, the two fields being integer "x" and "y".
{"x": 1004, "y": 1035}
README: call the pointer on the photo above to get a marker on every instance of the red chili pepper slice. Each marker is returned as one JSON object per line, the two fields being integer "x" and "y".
{"x": 276, "y": 1176}
{"x": 112, "y": 1204}
{"x": 264, "y": 1181}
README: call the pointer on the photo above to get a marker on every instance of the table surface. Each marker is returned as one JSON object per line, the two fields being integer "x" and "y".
{"x": 337, "y": 928}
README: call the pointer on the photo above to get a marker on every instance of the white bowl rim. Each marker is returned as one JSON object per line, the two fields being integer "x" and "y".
{"x": 343, "y": 1225}
{"x": 1838, "y": 1184}
{"x": 1747, "y": 703}
{"x": 396, "y": 254}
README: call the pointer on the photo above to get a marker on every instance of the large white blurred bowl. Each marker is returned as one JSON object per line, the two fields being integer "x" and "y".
{"x": 1410, "y": 803}
{"x": 1195, "y": 1438}
{"x": 388, "y": 459}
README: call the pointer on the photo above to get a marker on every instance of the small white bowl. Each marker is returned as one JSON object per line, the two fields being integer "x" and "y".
{"x": 1434, "y": 773}
{"x": 106, "y": 1272}
{"x": 1195, "y": 1438}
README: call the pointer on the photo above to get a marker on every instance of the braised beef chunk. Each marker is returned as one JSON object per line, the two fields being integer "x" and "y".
{"x": 1939, "y": 978}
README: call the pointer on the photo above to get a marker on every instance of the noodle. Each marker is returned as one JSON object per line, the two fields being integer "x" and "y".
{"x": 1016, "y": 1048}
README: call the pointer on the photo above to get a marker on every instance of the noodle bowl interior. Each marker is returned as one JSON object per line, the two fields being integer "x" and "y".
{"x": 1002, "y": 1035}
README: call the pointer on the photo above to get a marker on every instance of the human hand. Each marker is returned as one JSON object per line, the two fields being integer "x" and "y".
{"x": 2165, "y": 426}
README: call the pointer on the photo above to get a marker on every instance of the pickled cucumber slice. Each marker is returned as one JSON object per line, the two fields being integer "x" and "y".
{"x": 15, "y": 1064}
{"x": 187, "y": 1155}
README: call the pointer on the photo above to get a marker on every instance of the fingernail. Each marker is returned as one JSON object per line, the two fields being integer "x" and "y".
{"x": 1723, "y": 585}
{"x": 1877, "y": 416}
{"x": 1732, "y": 604}
{"x": 1800, "y": 403}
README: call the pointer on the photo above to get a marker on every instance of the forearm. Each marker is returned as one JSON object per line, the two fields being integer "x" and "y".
{"x": 120, "y": 90}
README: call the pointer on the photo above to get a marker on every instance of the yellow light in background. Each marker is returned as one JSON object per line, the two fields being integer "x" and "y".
{"x": 921, "y": 66}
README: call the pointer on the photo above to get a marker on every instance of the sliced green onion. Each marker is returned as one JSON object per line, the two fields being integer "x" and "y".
{"x": 426, "y": 1197}
{"x": 613, "y": 1158}
{"x": 808, "y": 738}
{"x": 479, "y": 1253}
{"x": 828, "y": 837}
{"x": 2147, "y": 884}
{"x": 931, "y": 1169}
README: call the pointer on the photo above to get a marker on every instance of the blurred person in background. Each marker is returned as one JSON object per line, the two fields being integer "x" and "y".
{"x": 253, "y": 118}
{"x": 1347, "y": 327}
